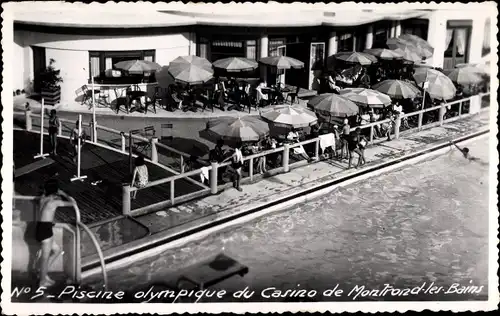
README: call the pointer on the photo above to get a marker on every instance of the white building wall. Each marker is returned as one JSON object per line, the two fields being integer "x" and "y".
{"x": 165, "y": 55}
{"x": 437, "y": 32}
{"x": 74, "y": 70}
{"x": 71, "y": 53}
{"x": 18, "y": 72}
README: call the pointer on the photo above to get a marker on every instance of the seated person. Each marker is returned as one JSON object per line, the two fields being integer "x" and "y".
{"x": 293, "y": 136}
{"x": 262, "y": 98}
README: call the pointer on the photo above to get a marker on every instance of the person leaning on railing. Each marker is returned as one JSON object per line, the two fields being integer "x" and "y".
{"x": 140, "y": 177}
{"x": 236, "y": 164}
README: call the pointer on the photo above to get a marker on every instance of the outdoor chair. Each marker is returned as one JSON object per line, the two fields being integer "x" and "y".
{"x": 294, "y": 96}
{"x": 86, "y": 94}
{"x": 140, "y": 145}
{"x": 208, "y": 100}
{"x": 101, "y": 96}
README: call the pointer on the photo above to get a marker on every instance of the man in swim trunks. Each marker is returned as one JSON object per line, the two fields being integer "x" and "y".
{"x": 49, "y": 250}
{"x": 73, "y": 138}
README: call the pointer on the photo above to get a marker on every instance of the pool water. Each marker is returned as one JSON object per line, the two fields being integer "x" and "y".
{"x": 427, "y": 222}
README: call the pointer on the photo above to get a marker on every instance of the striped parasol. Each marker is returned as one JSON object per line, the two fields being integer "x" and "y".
{"x": 366, "y": 97}
{"x": 465, "y": 76}
{"x": 424, "y": 49}
{"x": 282, "y": 62}
{"x": 290, "y": 116}
{"x": 244, "y": 129}
{"x": 383, "y": 53}
{"x": 192, "y": 60}
{"x": 190, "y": 73}
{"x": 137, "y": 66}
{"x": 440, "y": 86}
{"x": 409, "y": 54}
{"x": 356, "y": 58}
{"x": 397, "y": 89}
{"x": 236, "y": 64}
{"x": 333, "y": 104}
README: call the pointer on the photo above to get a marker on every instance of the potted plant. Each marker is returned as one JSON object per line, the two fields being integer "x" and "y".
{"x": 50, "y": 80}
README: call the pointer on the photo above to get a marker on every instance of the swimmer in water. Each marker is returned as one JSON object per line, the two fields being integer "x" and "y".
{"x": 465, "y": 152}
{"x": 49, "y": 250}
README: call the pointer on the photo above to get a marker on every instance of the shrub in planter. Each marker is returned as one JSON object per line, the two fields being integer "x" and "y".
{"x": 18, "y": 92}
{"x": 50, "y": 80}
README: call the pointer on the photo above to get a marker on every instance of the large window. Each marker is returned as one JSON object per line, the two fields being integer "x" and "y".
{"x": 346, "y": 42}
{"x": 418, "y": 27}
{"x": 223, "y": 48}
{"x": 456, "y": 43}
{"x": 277, "y": 47}
{"x": 381, "y": 33}
{"x": 102, "y": 61}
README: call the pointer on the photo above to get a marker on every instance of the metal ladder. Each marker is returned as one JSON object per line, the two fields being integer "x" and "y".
{"x": 77, "y": 244}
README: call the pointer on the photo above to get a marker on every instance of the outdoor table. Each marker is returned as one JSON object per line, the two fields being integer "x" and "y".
{"x": 135, "y": 95}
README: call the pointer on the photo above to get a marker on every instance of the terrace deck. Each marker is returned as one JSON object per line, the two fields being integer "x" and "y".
{"x": 96, "y": 202}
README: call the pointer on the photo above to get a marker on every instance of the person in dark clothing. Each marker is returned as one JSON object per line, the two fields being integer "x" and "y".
{"x": 356, "y": 144}
{"x": 54, "y": 125}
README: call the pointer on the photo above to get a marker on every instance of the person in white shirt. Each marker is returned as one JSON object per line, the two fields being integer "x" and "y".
{"x": 293, "y": 135}
{"x": 261, "y": 96}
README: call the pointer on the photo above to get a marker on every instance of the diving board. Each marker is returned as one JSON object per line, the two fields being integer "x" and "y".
{"x": 209, "y": 273}
{"x": 38, "y": 164}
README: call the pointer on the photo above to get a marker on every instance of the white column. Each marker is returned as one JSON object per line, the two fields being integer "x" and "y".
{"x": 264, "y": 51}
{"x": 476, "y": 40}
{"x": 332, "y": 44}
{"x": 397, "y": 29}
{"x": 436, "y": 38}
{"x": 392, "y": 32}
{"x": 192, "y": 43}
{"x": 369, "y": 37}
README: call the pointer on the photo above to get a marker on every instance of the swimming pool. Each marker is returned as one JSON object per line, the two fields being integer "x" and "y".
{"x": 426, "y": 222}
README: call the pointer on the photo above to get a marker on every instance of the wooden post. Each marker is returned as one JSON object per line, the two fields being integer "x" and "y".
{"x": 154, "y": 150}
{"x": 397, "y": 126}
{"x": 213, "y": 178}
{"x": 59, "y": 130}
{"x": 442, "y": 112}
{"x": 130, "y": 156}
{"x": 172, "y": 191}
{"x": 460, "y": 108}
{"x": 126, "y": 207}
{"x": 124, "y": 141}
{"x": 371, "y": 134}
{"x": 29, "y": 123}
{"x": 316, "y": 149}
{"x": 250, "y": 167}
{"x": 286, "y": 158}
{"x": 420, "y": 119}
{"x": 182, "y": 164}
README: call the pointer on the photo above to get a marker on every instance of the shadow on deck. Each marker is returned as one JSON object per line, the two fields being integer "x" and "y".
{"x": 99, "y": 202}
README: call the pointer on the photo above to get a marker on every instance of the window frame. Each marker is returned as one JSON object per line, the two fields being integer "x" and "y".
{"x": 141, "y": 54}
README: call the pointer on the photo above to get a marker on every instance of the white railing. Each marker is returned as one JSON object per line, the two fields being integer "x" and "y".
{"x": 285, "y": 164}
{"x": 128, "y": 190}
{"x": 77, "y": 270}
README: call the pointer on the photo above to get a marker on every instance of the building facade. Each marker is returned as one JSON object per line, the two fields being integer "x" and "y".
{"x": 86, "y": 48}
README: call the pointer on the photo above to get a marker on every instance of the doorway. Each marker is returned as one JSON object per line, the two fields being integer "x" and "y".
{"x": 39, "y": 65}
{"x": 457, "y": 46}
{"x": 317, "y": 58}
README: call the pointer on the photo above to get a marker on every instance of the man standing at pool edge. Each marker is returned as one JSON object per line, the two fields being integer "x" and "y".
{"x": 49, "y": 250}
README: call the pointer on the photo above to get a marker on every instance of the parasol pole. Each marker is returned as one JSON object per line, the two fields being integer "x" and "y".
{"x": 425, "y": 85}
